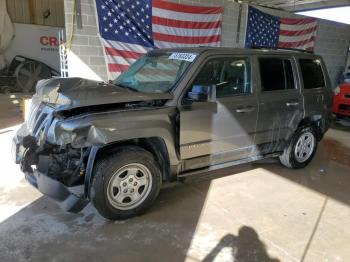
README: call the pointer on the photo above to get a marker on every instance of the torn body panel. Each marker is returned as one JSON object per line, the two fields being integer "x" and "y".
{"x": 66, "y": 127}
{"x": 109, "y": 127}
{"x": 70, "y": 93}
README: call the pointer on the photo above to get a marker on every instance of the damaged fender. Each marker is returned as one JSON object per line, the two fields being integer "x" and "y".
{"x": 98, "y": 129}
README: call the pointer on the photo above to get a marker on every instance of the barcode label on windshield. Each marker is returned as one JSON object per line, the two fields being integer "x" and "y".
{"x": 183, "y": 56}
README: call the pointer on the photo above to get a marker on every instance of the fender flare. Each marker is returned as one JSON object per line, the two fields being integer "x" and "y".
{"x": 93, "y": 154}
{"x": 88, "y": 171}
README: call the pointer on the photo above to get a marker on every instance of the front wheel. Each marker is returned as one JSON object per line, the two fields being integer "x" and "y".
{"x": 126, "y": 183}
{"x": 301, "y": 148}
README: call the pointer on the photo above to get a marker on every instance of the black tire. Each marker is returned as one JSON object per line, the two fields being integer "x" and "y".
{"x": 108, "y": 166}
{"x": 288, "y": 158}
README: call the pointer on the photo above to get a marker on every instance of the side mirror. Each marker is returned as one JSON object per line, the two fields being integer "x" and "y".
{"x": 202, "y": 93}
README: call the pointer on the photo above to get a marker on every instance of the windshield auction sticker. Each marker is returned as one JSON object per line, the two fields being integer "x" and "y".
{"x": 183, "y": 56}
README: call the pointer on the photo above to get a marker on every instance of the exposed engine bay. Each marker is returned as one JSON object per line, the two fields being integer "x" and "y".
{"x": 63, "y": 163}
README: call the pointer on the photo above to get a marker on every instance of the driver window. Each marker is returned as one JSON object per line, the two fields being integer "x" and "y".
{"x": 230, "y": 75}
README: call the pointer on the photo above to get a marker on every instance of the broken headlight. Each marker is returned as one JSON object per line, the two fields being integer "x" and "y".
{"x": 56, "y": 99}
{"x": 51, "y": 94}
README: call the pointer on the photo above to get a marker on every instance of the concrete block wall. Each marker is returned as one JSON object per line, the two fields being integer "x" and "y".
{"x": 332, "y": 43}
{"x": 86, "y": 44}
{"x": 348, "y": 62}
{"x": 332, "y": 38}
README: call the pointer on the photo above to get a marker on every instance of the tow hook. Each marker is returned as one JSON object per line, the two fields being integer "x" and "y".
{"x": 29, "y": 159}
{"x": 29, "y": 142}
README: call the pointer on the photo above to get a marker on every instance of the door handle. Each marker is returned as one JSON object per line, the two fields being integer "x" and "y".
{"x": 245, "y": 109}
{"x": 292, "y": 103}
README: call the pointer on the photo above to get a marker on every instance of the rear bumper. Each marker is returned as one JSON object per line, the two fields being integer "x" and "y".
{"x": 54, "y": 189}
{"x": 341, "y": 106}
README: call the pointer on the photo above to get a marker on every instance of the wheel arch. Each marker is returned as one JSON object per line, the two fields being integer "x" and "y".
{"x": 155, "y": 145}
{"x": 317, "y": 122}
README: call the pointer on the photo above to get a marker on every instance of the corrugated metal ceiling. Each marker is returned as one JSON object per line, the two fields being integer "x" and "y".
{"x": 300, "y": 5}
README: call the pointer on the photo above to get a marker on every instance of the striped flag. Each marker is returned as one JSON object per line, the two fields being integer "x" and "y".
{"x": 130, "y": 28}
{"x": 266, "y": 30}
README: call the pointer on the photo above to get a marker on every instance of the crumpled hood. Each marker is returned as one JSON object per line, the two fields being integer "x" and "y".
{"x": 68, "y": 93}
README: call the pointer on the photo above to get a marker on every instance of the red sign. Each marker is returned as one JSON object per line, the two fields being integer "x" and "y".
{"x": 49, "y": 41}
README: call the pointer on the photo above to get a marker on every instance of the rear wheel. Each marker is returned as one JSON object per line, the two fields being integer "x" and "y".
{"x": 126, "y": 183}
{"x": 301, "y": 148}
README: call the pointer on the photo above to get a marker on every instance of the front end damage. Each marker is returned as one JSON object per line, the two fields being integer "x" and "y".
{"x": 55, "y": 170}
{"x": 56, "y": 147}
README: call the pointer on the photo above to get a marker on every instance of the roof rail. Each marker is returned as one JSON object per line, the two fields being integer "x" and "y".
{"x": 276, "y": 48}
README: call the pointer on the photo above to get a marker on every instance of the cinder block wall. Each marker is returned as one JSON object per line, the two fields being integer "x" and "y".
{"x": 332, "y": 42}
{"x": 332, "y": 38}
{"x": 86, "y": 44}
{"x": 348, "y": 62}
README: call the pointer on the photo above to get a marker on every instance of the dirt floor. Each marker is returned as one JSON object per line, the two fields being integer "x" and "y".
{"x": 253, "y": 212}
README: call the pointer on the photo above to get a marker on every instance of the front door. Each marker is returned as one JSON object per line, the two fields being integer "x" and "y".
{"x": 213, "y": 132}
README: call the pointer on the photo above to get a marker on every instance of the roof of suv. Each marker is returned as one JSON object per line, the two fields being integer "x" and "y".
{"x": 221, "y": 50}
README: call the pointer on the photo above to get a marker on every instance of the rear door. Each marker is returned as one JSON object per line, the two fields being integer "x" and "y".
{"x": 280, "y": 103}
{"x": 317, "y": 94}
{"x": 223, "y": 132}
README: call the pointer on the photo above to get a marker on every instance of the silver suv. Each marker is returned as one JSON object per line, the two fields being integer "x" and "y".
{"x": 173, "y": 114}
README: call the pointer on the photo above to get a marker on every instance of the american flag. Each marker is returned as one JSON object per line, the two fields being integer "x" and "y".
{"x": 266, "y": 30}
{"x": 130, "y": 28}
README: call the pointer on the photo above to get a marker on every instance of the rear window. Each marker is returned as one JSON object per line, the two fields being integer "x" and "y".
{"x": 312, "y": 74}
{"x": 276, "y": 74}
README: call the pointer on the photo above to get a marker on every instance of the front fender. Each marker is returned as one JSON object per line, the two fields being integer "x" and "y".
{"x": 100, "y": 129}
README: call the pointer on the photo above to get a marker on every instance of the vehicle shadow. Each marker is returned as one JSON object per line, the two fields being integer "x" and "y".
{"x": 328, "y": 172}
{"x": 342, "y": 124}
{"x": 41, "y": 231}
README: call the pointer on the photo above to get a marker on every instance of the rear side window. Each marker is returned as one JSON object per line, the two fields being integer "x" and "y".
{"x": 276, "y": 74}
{"x": 312, "y": 73}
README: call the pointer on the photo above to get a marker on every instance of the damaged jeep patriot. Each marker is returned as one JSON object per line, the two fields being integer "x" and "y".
{"x": 174, "y": 113}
